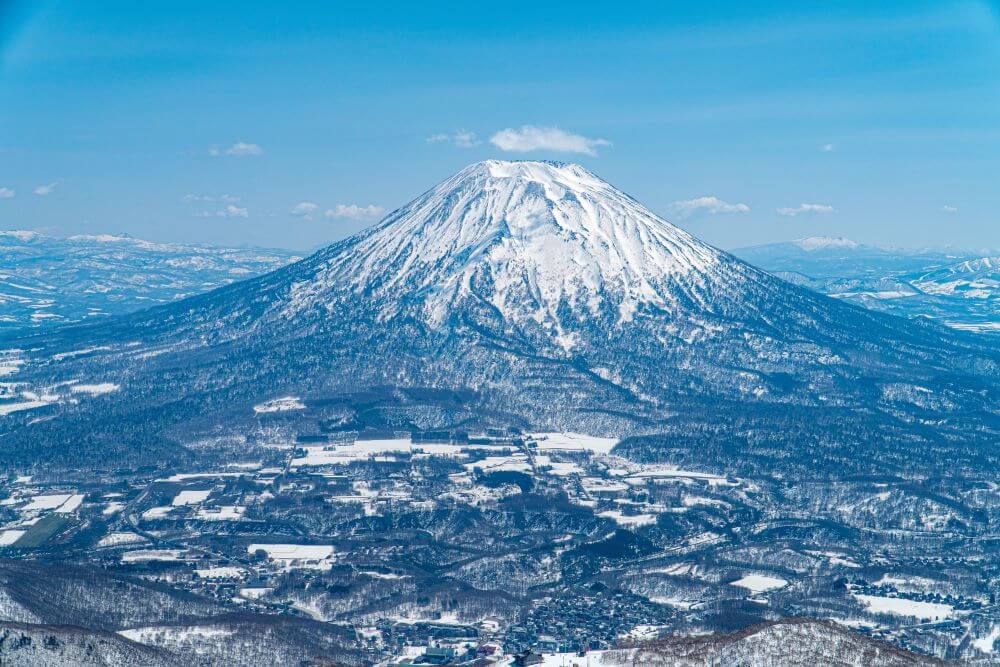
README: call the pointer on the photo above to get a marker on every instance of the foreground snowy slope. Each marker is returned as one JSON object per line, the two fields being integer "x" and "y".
{"x": 555, "y": 298}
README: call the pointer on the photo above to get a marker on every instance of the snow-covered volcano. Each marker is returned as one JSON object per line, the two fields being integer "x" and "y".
{"x": 552, "y": 295}
{"x": 530, "y": 237}
{"x": 548, "y": 247}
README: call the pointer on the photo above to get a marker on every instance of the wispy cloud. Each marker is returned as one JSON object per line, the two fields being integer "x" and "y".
{"x": 6, "y": 193}
{"x": 827, "y": 148}
{"x": 533, "y": 138}
{"x": 804, "y": 208}
{"x": 949, "y": 209}
{"x": 230, "y": 211}
{"x": 460, "y": 138}
{"x": 712, "y": 205}
{"x": 43, "y": 190}
{"x": 304, "y": 209}
{"x": 229, "y": 199}
{"x": 354, "y": 212}
{"x": 239, "y": 149}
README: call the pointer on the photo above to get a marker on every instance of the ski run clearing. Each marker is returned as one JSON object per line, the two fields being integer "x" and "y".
{"x": 95, "y": 389}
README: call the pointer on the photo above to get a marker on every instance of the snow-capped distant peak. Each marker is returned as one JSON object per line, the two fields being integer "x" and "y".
{"x": 528, "y": 237}
{"x": 21, "y": 234}
{"x": 104, "y": 238}
{"x": 812, "y": 243}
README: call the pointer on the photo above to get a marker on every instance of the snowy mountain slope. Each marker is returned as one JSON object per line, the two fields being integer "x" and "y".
{"x": 537, "y": 237}
{"x": 63, "y": 646}
{"x": 46, "y": 281}
{"x": 793, "y": 642}
{"x": 548, "y": 292}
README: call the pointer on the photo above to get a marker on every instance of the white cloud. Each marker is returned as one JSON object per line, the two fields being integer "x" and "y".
{"x": 827, "y": 148}
{"x": 711, "y": 205}
{"x": 461, "y": 139}
{"x": 304, "y": 209}
{"x": 239, "y": 149}
{"x": 532, "y": 138}
{"x": 230, "y": 211}
{"x": 46, "y": 189}
{"x": 6, "y": 193}
{"x": 354, "y": 212}
{"x": 229, "y": 199}
{"x": 949, "y": 209}
{"x": 805, "y": 208}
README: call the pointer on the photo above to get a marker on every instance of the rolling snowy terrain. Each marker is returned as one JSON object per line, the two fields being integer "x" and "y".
{"x": 46, "y": 281}
{"x": 960, "y": 289}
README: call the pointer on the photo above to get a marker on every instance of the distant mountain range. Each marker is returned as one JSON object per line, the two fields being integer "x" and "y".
{"x": 957, "y": 288}
{"x": 47, "y": 281}
{"x": 553, "y": 297}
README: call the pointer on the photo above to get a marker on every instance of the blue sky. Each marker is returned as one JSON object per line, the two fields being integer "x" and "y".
{"x": 744, "y": 123}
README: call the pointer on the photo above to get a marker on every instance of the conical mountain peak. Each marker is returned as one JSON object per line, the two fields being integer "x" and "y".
{"x": 532, "y": 238}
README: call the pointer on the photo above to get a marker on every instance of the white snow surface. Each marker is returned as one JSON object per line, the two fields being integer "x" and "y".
{"x": 8, "y": 537}
{"x": 759, "y": 583}
{"x": 47, "y": 502}
{"x": 118, "y": 539}
{"x": 574, "y": 442}
{"x": 94, "y": 389}
{"x": 292, "y": 552}
{"x": 283, "y": 404}
{"x": 904, "y": 607}
{"x": 191, "y": 497}
{"x": 986, "y": 642}
{"x": 71, "y": 505}
{"x": 527, "y": 237}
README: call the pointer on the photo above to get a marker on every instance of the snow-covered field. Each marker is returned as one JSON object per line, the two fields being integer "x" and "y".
{"x": 284, "y": 404}
{"x": 293, "y": 552}
{"x": 986, "y": 642}
{"x": 575, "y": 442}
{"x": 191, "y": 497}
{"x": 903, "y": 607}
{"x": 759, "y": 583}
{"x": 221, "y": 513}
{"x": 515, "y": 463}
{"x": 363, "y": 449}
{"x": 145, "y": 555}
{"x": 9, "y": 537}
{"x": 71, "y": 505}
{"x": 118, "y": 539}
{"x": 47, "y": 502}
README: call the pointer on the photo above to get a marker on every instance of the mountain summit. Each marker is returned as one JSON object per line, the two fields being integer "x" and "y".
{"x": 556, "y": 301}
{"x": 529, "y": 238}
